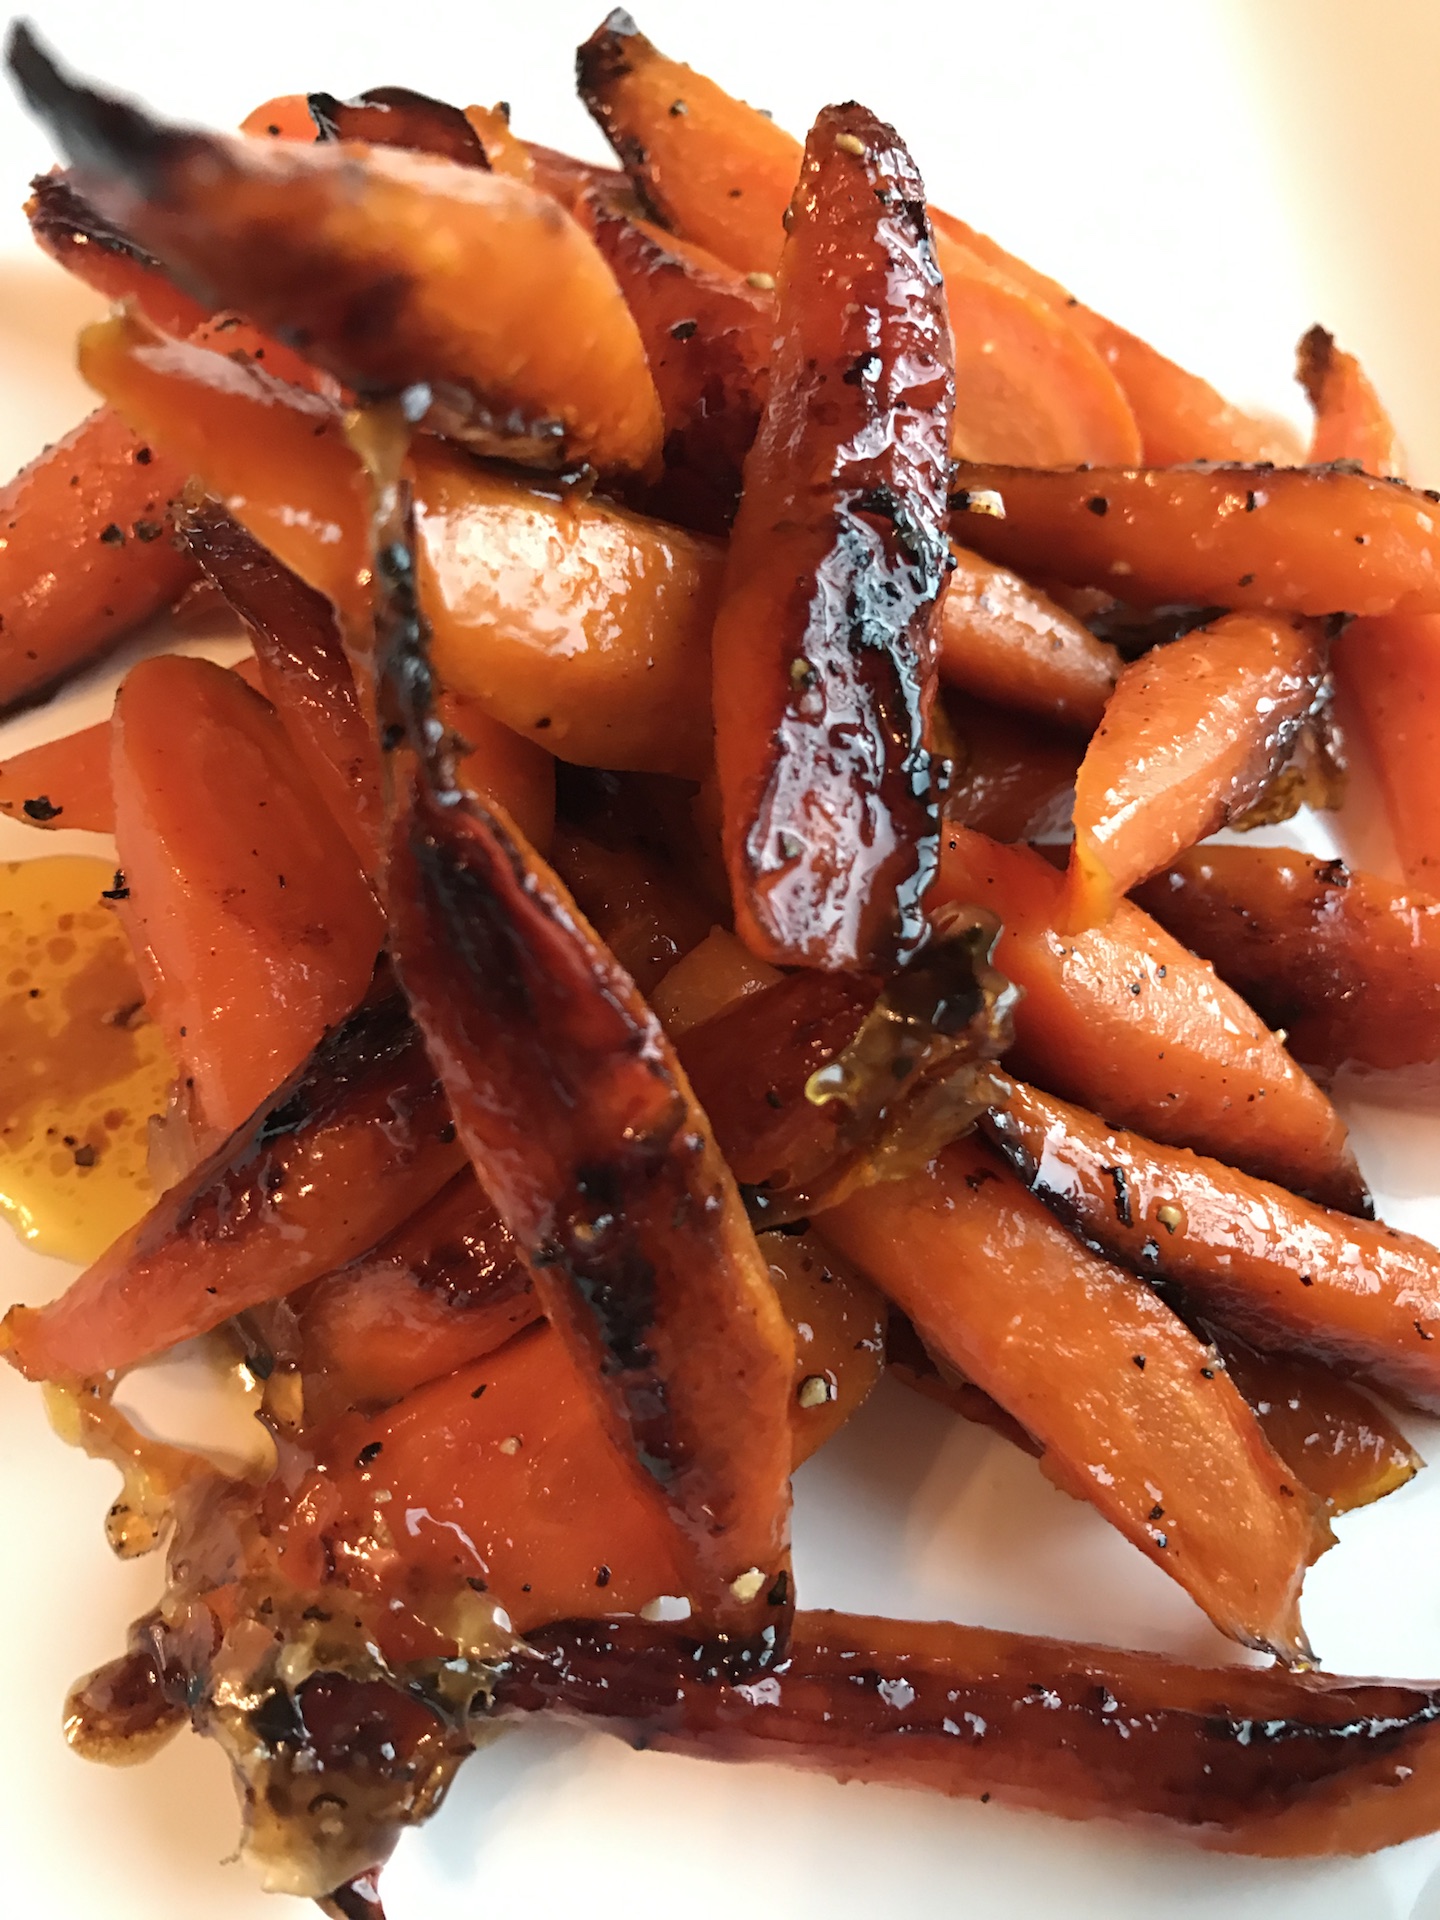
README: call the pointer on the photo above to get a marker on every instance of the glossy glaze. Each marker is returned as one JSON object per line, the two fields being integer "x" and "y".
{"x": 1014, "y": 778}
{"x": 399, "y": 117}
{"x": 824, "y": 650}
{"x": 1010, "y": 644}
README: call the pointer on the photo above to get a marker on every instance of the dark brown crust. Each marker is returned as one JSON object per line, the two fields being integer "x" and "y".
{"x": 398, "y": 117}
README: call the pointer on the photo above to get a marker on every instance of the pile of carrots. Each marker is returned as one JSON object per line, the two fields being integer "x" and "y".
{"x": 618, "y": 1008}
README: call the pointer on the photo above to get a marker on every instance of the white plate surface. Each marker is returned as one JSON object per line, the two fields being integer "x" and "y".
{"x": 1216, "y": 175}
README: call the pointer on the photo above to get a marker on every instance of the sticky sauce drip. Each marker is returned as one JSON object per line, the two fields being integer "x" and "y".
{"x": 81, "y": 1069}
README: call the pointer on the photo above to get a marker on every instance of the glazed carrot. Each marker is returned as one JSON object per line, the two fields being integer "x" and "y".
{"x": 286, "y": 117}
{"x": 253, "y": 925}
{"x": 1298, "y": 540}
{"x": 516, "y": 582}
{"x": 1346, "y": 962}
{"x": 822, "y": 691}
{"x": 641, "y": 909}
{"x": 706, "y": 981}
{"x": 1350, "y": 422}
{"x": 77, "y": 238}
{"x": 503, "y": 152}
{"x": 397, "y": 117}
{"x": 87, "y": 554}
{"x": 1242, "y": 1759}
{"x": 839, "y": 1322}
{"x": 1014, "y": 779}
{"x": 503, "y": 767}
{"x": 303, "y": 672}
{"x": 1132, "y": 1411}
{"x": 445, "y": 1289}
{"x": 63, "y": 783}
{"x": 306, "y": 240}
{"x": 1193, "y": 734}
{"x": 1386, "y": 671}
{"x": 584, "y": 1132}
{"x": 1281, "y": 1271}
{"x": 1125, "y": 1020}
{"x": 1007, "y": 642}
{"x": 564, "y": 177}
{"x": 346, "y": 1151}
{"x": 722, "y": 174}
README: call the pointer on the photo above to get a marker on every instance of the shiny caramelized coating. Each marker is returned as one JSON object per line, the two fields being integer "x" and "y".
{"x": 253, "y": 925}
{"x": 303, "y": 671}
{"x": 1124, "y": 1019}
{"x": 1244, "y": 1759}
{"x": 1132, "y": 1411}
{"x": 708, "y": 335}
{"x": 344, "y": 1152}
{"x": 77, "y": 237}
{"x": 1014, "y": 779}
{"x": 1346, "y": 962}
{"x": 317, "y": 242}
{"x": 399, "y": 117}
{"x": 1294, "y": 540}
{"x": 1350, "y": 421}
{"x": 644, "y": 912}
{"x": 824, "y": 656}
{"x": 1284, "y": 1273}
{"x": 579, "y": 625}
{"x": 1192, "y": 736}
{"x": 839, "y": 1323}
{"x": 1008, "y": 643}
{"x": 88, "y": 553}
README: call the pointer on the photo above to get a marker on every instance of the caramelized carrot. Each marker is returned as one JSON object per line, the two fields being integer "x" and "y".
{"x": 1281, "y": 1271}
{"x": 1347, "y": 963}
{"x": 1193, "y": 734}
{"x": 77, "y": 238}
{"x": 1350, "y": 422}
{"x": 286, "y": 117}
{"x": 1014, "y": 779}
{"x": 63, "y": 783}
{"x": 706, "y": 981}
{"x": 722, "y": 174}
{"x": 1009, "y": 643}
{"x": 1243, "y": 1759}
{"x": 503, "y": 152}
{"x": 1132, "y": 1411}
{"x": 1301, "y": 540}
{"x": 643, "y": 912}
{"x": 344, "y": 1152}
{"x": 503, "y": 767}
{"x": 252, "y": 923}
{"x": 1125, "y": 1020}
{"x": 398, "y": 117}
{"x": 581, "y": 626}
{"x": 821, "y": 694}
{"x": 838, "y": 1320}
{"x": 307, "y": 240}
{"x": 87, "y": 553}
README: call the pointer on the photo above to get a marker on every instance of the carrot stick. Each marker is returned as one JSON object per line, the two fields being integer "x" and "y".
{"x": 1008, "y": 643}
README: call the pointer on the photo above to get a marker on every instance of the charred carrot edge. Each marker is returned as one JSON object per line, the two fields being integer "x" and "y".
{"x": 1350, "y": 421}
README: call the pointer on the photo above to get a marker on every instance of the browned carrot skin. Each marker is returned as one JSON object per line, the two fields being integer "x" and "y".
{"x": 313, "y": 242}
{"x": 824, "y": 657}
{"x": 1350, "y": 421}
{"x": 1193, "y": 734}
{"x": 1346, "y": 962}
{"x": 1132, "y": 1411}
{"x": 1292, "y": 540}
{"x": 1014, "y": 779}
{"x": 1008, "y": 643}
{"x": 342, "y": 1154}
{"x": 1123, "y": 1019}
{"x": 1284, "y": 1273}
{"x": 398, "y": 117}
{"x": 303, "y": 671}
{"x": 78, "y": 238}
{"x": 707, "y": 335}
{"x": 1245, "y": 1759}
{"x": 88, "y": 553}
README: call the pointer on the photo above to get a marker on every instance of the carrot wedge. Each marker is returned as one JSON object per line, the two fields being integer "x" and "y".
{"x": 1131, "y": 1409}
{"x": 307, "y": 240}
{"x": 1193, "y": 734}
{"x": 1350, "y": 421}
{"x": 1284, "y": 1273}
{"x": 1241, "y": 1759}
{"x": 1293, "y": 540}
{"x": 344, "y": 1152}
{"x": 1123, "y": 1019}
{"x": 62, "y": 783}
{"x": 399, "y": 117}
{"x": 77, "y": 238}
{"x": 822, "y": 690}
{"x": 1005, "y": 641}
{"x": 1346, "y": 962}
{"x": 579, "y": 625}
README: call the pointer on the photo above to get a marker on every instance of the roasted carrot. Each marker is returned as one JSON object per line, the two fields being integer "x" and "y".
{"x": 78, "y": 238}
{"x": 1125, "y": 1020}
{"x": 1014, "y": 779}
{"x": 643, "y": 912}
{"x": 1132, "y": 1410}
{"x": 286, "y": 117}
{"x": 722, "y": 174}
{"x": 1193, "y": 734}
{"x": 1009, "y": 643}
{"x": 581, "y": 626}
{"x": 1350, "y": 421}
{"x": 1243, "y": 1759}
{"x": 346, "y": 1151}
{"x": 64, "y": 783}
{"x": 1281, "y": 1271}
{"x": 1346, "y": 962}
{"x": 504, "y": 153}
{"x": 821, "y": 688}
{"x": 252, "y": 922}
{"x": 502, "y": 766}
{"x": 839, "y": 1321}
{"x": 307, "y": 240}
{"x": 1295, "y": 540}
{"x": 398, "y": 117}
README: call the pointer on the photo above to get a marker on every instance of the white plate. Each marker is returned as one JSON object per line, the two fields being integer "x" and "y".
{"x": 1184, "y": 168}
